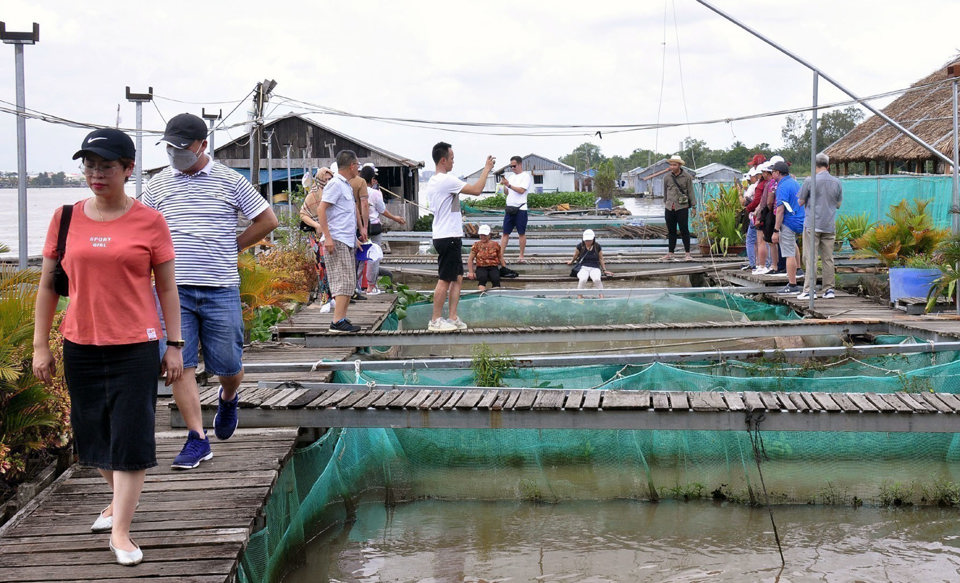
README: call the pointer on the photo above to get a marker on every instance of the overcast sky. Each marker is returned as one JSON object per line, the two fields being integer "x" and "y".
{"x": 511, "y": 62}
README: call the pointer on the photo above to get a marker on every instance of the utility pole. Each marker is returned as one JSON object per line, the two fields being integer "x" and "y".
{"x": 139, "y": 99}
{"x": 270, "y": 173}
{"x": 260, "y": 97}
{"x": 211, "y": 117}
{"x": 18, "y": 39}
{"x": 288, "y": 145}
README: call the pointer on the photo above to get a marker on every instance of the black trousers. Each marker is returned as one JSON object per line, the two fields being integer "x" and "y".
{"x": 675, "y": 220}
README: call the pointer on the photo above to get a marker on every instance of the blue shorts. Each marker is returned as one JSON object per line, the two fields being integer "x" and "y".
{"x": 518, "y": 220}
{"x": 210, "y": 317}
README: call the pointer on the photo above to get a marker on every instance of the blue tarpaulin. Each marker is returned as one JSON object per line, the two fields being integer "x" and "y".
{"x": 278, "y": 175}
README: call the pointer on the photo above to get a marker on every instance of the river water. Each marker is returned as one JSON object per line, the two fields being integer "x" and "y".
{"x": 630, "y": 541}
{"x": 41, "y": 202}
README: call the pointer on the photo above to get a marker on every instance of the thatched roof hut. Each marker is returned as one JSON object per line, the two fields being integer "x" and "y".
{"x": 925, "y": 110}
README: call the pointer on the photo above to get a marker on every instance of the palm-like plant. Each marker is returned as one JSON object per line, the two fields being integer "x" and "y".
{"x": 947, "y": 258}
{"x": 27, "y": 409}
{"x": 911, "y": 233}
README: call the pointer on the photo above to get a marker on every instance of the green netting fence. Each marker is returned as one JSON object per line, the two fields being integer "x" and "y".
{"x": 491, "y": 310}
{"x": 323, "y": 483}
{"x": 874, "y": 195}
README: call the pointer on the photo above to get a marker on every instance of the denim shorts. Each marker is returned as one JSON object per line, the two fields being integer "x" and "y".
{"x": 210, "y": 317}
{"x": 113, "y": 403}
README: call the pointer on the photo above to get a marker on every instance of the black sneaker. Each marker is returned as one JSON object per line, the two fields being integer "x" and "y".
{"x": 358, "y": 296}
{"x": 343, "y": 326}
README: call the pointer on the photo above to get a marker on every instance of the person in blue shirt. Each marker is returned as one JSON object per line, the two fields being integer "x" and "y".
{"x": 789, "y": 222}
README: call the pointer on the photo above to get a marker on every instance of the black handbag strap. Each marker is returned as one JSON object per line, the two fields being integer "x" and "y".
{"x": 65, "y": 217}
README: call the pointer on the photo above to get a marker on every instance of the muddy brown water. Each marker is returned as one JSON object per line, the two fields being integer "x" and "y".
{"x": 434, "y": 541}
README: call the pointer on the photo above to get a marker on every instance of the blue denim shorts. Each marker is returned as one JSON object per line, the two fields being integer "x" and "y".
{"x": 113, "y": 403}
{"x": 518, "y": 221}
{"x": 210, "y": 317}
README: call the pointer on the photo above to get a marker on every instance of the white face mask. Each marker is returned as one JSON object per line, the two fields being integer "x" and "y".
{"x": 182, "y": 159}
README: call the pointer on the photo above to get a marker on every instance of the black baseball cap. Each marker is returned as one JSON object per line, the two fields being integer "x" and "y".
{"x": 109, "y": 144}
{"x": 184, "y": 129}
{"x": 781, "y": 167}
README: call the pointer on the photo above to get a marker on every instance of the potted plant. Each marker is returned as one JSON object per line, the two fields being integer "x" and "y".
{"x": 718, "y": 223}
{"x": 947, "y": 259}
{"x": 906, "y": 246}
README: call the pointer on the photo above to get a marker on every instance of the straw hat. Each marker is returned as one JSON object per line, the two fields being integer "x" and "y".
{"x": 676, "y": 159}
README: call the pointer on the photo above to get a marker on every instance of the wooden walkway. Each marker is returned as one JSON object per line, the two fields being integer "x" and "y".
{"x": 337, "y": 405}
{"x": 192, "y": 526}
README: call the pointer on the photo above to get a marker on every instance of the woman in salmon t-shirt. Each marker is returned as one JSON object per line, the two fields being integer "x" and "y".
{"x": 111, "y": 330}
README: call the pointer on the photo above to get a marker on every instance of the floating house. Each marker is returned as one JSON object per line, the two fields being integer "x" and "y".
{"x": 717, "y": 172}
{"x": 548, "y": 175}
{"x": 648, "y": 180}
{"x": 302, "y": 145}
{"x": 925, "y": 110}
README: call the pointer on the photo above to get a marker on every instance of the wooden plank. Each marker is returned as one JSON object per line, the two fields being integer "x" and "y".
{"x": 574, "y": 399}
{"x": 935, "y": 402}
{"x": 407, "y": 394}
{"x": 846, "y": 405}
{"x": 550, "y": 399}
{"x": 489, "y": 398}
{"x": 713, "y": 401}
{"x": 329, "y": 400}
{"x": 769, "y": 400}
{"x": 591, "y": 399}
{"x": 785, "y": 402}
{"x": 862, "y": 402}
{"x": 825, "y": 400}
{"x": 355, "y": 396}
{"x": 512, "y": 398}
{"x": 679, "y": 401}
{"x": 734, "y": 401}
{"x": 470, "y": 399}
{"x": 526, "y": 400}
{"x": 917, "y": 403}
{"x": 752, "y": 401}
{"x": 881, "y": 403}
{"x": 661, "y": 401}
{"x": 896, "y": 403}
{"x": 386, "y": 398}
{"x": 798, "y": 401}
{"x": 950, "y": 400}
{"x": 626, "y": 400}
{"x": 308, "y": 396}
{"x": 452, "y": 400}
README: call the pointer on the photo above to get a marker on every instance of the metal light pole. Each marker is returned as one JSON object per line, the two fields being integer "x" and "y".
{"x": 139, "y": 99}
{"x": 18, "y": 39}
{"x": 953, "y": 71}
{"x": 211, "y": 117}
{"x": 269, "y": 143}
{"x": 811, "y": 276}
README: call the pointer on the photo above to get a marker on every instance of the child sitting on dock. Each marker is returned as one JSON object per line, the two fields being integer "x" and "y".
{"x": 487, "y": 255}
{"x": 588, "y": 258}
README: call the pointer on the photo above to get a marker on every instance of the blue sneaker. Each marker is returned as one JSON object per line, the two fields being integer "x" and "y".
{"x": 225, "y": 423}
{"x": 196, "y": 450}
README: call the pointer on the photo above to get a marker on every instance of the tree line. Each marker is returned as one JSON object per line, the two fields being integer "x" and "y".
{"x": 796, "y": 136}
{"x": 42, "y": 180}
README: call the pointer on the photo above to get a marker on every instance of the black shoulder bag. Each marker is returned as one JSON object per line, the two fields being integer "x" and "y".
{"x": 61, "y": 283}
{"x": 582, "y": 252}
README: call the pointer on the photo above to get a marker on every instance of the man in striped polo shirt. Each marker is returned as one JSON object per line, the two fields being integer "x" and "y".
{"x": 200, "y": 200}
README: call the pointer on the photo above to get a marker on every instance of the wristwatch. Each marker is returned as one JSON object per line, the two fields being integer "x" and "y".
{"x": 177, "y": 343}
{"x": 776, "y": 230}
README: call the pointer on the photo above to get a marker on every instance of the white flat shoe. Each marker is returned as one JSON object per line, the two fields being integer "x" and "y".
{"x": 127, "y": 558}
{"x": 102, "y": 523}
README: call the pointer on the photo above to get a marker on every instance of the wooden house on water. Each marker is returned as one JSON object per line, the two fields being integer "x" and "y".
{"x": 649, "y": 181}
{"x": 312, "y": 146}
{"x": 548, "y": 175}
{"x": 925, "y": 110}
